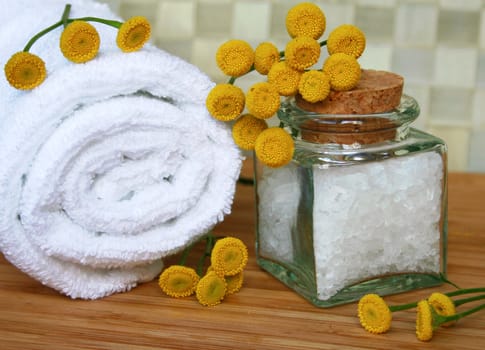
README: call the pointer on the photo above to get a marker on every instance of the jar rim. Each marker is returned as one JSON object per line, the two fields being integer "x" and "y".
{"x": 297, "y": 118}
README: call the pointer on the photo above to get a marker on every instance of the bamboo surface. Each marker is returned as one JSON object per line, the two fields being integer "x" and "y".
{"x": 263, "y": 315}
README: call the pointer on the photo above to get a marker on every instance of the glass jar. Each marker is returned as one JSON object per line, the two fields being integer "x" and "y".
{"x": 361, "y": 208}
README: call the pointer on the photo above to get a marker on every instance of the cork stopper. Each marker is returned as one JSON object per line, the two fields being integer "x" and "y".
{"x": 348, "y": 114}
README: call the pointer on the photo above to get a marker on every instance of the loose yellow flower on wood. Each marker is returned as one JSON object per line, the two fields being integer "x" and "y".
{"x": 133, "y": 34}
{"x": 302, "y": 52}
{"x": 234, "y": 283}
{"x": 178, "y": 281}
{"x": 343, "y": 70}
{"x": 314, "y": 86}
{"x": 374, "y": 314}
{"x": 211, "y": 289}
{"x": 235, "y": 57}
{"x": 229, "y": 256}
{"x": 246, "y": 129}
{"x": 262, "y": 100}
{"x": 25, "y": 71}
{"x": 424, "y": 321}
{"x": 274, "y": 147}
{"x": 79, "y": 42}
{"x": 225, "y": 102}
{"x": 284, "y": 78}
{"x": 265, "y": 55}
{"x": 443, "y": 305}
{"x": 305, "y": 19}
{"x": 347, "y": 39}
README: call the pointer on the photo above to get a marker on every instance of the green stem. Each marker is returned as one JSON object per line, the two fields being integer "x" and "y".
{"x": 456, "y": 317}
{"x": 40, "y": 34}
{"x": 323, "y": 43}
{"x": 108, "y": 22}
{"x": 65, "y": 14}
{"x": 232, "y": 80}
{"x": 402, "y": 307}
{"x": 467, "y": 300}
{"x": 209, "y": 244}
{"x": 185, "y": 254}
{"x": 465, "y": 291}
{"x": 444, "y": 279}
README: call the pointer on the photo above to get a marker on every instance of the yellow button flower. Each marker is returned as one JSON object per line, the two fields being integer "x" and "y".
{"x": 211, "y": 289}
{"x": 302, "y": 52}
{"x": 424, "y": 321}
{"x": 284, "y": 78}
{"x": 443, "y": 305}
{"x": 178, "y": 281}
{"x": 274, "y": 147}
{"x": 262, "y": 100}
{"x": 246, "y": 129}
{"x": 235, "y": 57}
{"x": 79, "y": 42}
{"x": 234, "y": 283}
{"x": 25, "y": 71}
{"x": 265, "y": 55}
{"x": 314, "y": 86}
{"x": 133, "y": 34}
{"x": 343, "y": 70}
{"x": 225, "y": 102}
{"x": 229, "y": 256}
{"x": 305, "y": 19}
{"x": 374, "y": 314}
{"x": 347, "y": 39}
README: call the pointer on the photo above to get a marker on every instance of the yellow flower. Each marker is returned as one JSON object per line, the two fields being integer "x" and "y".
{"x": 225, "y": 102}
{"x": 229, "y": 256}
{"x": 284, "y": 78}
{"x": 305, "y": 19}
{"x": 443, "y": 305}
{"x": 265, "y": 55}
{"x": 25, "y": 71}
{"x": 374, "y": 314}
{"x": 235, "y": 57}
{"x": 178, "y": 281}
{"x": 262, "y": 100}
{"x": 79, "y": 42}
{"x": 211, "y": 289}
{"x": 314, "y": 86}
{"x": 347, "y": 39}
{"x": 246, "y": 129}
{"x": 133, "y": 34}
{"x": 274, "y": 147}
{"x": 424, "y": 321}
{"x": 343, "y": 70}
{"x": 234, "y": 283}
{"x": 302, "y": 52}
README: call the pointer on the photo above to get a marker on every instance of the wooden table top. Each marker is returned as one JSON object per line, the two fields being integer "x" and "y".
{"x": 265, "y": 314}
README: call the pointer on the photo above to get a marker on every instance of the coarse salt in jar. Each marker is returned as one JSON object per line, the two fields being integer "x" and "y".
{"x": 361, "y": 208}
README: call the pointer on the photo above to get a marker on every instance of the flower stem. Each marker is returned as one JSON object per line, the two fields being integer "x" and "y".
{"x": 40, "y": 34}
{"x": 108, "y": 22}
{"x": 467, "y": 300}
{"x": 465, "y": 291}
{"x": 402, "y": 307}
{"x": 456, "y": 317}
{"x": 209, "y": 244}
{"x": 65, "y": 14}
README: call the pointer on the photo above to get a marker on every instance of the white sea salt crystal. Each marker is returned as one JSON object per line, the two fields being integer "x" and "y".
{"x": 279, "y": 188}
{"x": 376, "y": 218}
{"x": 369, "y": 219}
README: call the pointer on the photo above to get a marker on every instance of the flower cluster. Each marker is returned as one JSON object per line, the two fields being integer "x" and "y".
{"x": 439, "y": 309}
{"x": 228, "y": 257}
{"x": 79, "y": 43}
{"x": 288, "y": 73}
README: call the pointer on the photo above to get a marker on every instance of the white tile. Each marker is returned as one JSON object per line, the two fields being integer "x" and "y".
{"x": 457, "y": 140}
{"x": 455, "y": 66}
{"x": 176, "y": 19}
{"x": 251, "y": 20}
{"x": 416, "y": 24}
{"x": 478, "y": 118}
{"x": 451, "y": 106}
{"x": 337, "y": 14}
{"x": 476, "y": 159}
{"x": 468, "y": 5}
{"x": 377, "y": 3}
{"x": 203, "y": 56}
{"x": 415, "y": 64}
{"x": 482, "y": 30}
{"x": 376, "y": 57}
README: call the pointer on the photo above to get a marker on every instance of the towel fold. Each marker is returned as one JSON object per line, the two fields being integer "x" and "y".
{"x": 107, "y": 166}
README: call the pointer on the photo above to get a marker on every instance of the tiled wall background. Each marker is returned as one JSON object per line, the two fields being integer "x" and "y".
{"x": 437, "y": 45}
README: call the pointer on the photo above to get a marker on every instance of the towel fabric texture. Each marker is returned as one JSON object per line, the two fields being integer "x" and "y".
{"x": 107, "y": 166}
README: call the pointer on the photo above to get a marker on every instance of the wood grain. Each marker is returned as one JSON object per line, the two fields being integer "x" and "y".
{"x": 263, "y": 315}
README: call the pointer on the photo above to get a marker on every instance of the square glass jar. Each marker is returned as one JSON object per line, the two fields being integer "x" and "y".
{"x": 361, "y": 208}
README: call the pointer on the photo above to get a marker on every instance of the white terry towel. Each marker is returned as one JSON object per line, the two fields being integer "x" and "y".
{"x": 107, "y": 166}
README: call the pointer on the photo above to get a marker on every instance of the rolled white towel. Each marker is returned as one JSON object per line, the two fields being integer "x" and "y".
{"x": 107, "y": 166}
